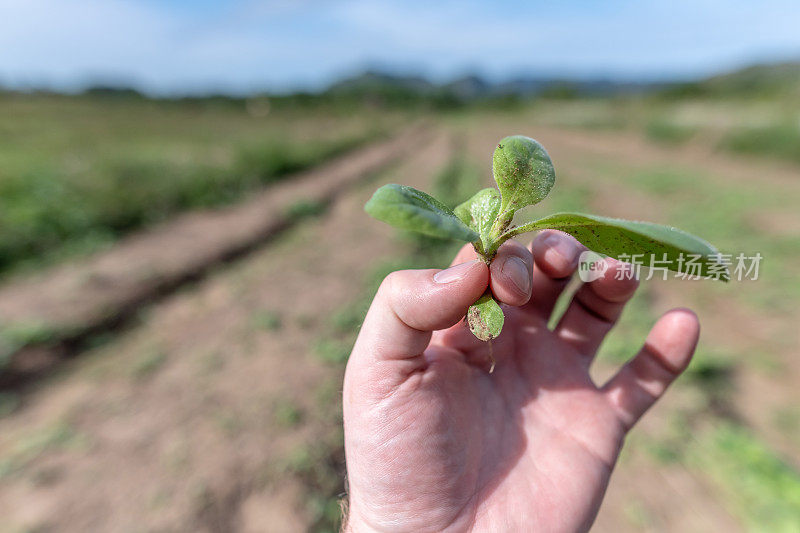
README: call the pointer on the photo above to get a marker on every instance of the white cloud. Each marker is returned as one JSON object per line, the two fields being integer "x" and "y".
{"x": 252, "y": 43}
{"x": 63, "y": 39}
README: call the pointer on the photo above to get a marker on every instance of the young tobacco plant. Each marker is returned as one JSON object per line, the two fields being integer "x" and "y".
{"x": 524, "y": 175}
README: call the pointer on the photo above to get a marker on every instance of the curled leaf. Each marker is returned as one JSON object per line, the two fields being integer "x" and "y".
{"x": 480, "y": 212}
{"x": 485, "y": 317}
{"x": 523, "y": 172}
{"x": 410, "y": 209}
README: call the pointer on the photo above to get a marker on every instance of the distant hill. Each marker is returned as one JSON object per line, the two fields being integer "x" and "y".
{"x": 390, "y": 88}
{"x": 113, "y": 91}
{"x": 762, "y": 79}
{"x": 766, "y": 79}
{"x": 468, "y": 87}
{"x": 376, "y": 81}
{"x": 473, "y": 87}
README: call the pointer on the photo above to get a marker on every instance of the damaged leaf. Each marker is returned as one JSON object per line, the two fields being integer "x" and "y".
{"x": 485, "y": 317}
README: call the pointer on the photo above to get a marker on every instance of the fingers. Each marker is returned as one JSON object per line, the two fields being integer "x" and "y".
{"x": 511, "y": 270}
{"x": 666, "y": 353}
{"x": 410, "y": 304}
{"x": 596, "y": 307}
{"x": 549, "y": 265}
{"x": 510, "y": 281}
{"x": 555, "y": 256}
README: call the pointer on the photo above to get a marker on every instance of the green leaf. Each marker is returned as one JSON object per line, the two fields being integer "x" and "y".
{"x": 409, "y": 209}
{"x": 523, "y": 172}
{"x": 485, "y": 317}
{"x": 480, "y": 212}
{"x": 624, "y": 238}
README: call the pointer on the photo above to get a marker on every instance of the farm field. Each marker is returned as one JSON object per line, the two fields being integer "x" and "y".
{"x": 215, "y": 407}
{"x": 78, "y": 173}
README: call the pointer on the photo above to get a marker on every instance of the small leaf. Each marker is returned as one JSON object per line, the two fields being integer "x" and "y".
{"x": 523, "y": 172}
{"x": 480, "y": 212}
{"x": 409, "y": 209}
{"x": 485, "y": 318}
{"x": 624, "y": 238}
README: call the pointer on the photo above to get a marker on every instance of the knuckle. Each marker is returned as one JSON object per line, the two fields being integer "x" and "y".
{"x": 389, "y": 283}
{"x": 392, "y": 285}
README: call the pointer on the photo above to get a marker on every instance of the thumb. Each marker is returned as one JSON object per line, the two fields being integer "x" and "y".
{"x": 410, "y": 305}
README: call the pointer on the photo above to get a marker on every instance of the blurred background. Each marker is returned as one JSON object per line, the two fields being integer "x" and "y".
{"x": 184, "y": 259}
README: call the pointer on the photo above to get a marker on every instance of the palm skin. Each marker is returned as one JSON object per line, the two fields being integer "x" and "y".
{"x": 435, "y": 442}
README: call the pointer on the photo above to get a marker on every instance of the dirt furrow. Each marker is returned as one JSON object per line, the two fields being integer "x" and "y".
{"x": 53, "y": 311}
{"x": 196, "y": 418}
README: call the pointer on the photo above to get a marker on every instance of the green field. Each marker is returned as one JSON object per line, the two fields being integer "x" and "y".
{"x": 76, "y": 173}
{"x": 221, "y": 400}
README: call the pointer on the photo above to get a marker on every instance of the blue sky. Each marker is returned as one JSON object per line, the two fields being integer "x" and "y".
{"x": 175, "y": 46}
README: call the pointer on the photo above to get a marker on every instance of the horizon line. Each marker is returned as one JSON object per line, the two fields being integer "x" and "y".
{"x": 86, "y": 82}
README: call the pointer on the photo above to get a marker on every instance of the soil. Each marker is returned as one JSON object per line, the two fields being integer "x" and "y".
{"x": 87, "y": 296}
{"x": 171, "y": 426}
{"x": 199, "y": 415}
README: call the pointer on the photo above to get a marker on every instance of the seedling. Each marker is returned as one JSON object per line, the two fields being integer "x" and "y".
{"x": 524, "y": 175}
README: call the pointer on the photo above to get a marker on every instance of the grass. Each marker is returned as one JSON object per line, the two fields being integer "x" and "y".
{"x": 760, "y": 488}
{"x": 332, "y": 350}
{"x": 51, "y": 213}
{"x": 60, "y": 435}
{"x": 228, "y": 421}
{"x": 767, "y": 128}
{"x": 9, "y": 402}
{"x": 781, "y": 141}
{"x": 347, "y": 319}
{"x": 287, "y": 413}
{"x": 78, "y": 174}
{"x": 97, "y": 150}
{"x": 304, "y": 209}
{"x": 666, "y": 132}
{"x": 12, "y": 338}
{"x": 757, "y": 486}
{"x": 637, "y": 515}
{"x": 637, "y": 319}
{"x": 267, "y": 320}
{"x": 592, "y": 115}
{"x": 316, "y": 465}
{"x": 149, "y": 363}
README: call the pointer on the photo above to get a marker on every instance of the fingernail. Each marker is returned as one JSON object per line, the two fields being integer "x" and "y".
{"x": 516, "y": 270}
{"x": 562, "y": 246}
{"x": 454, "y": 273}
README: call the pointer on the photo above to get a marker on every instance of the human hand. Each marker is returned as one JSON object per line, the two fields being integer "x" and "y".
{"x": 434, "y": 442}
